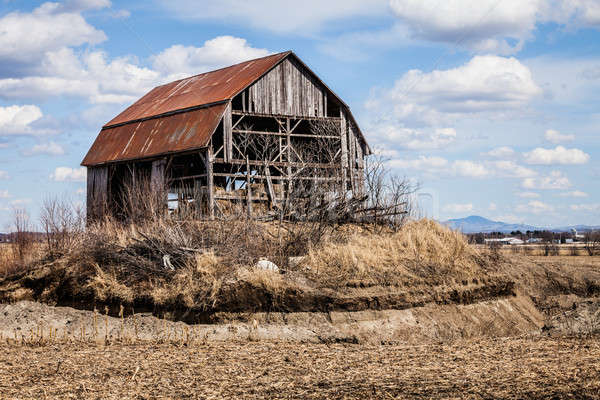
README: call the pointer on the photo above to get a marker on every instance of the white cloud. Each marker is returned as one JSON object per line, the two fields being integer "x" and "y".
{"x": 304, "y": 18}
{"x": 486, "y": 84}
{"x": 501, "y": 27}
{"x": 500, "y": 152}
{"x": 458, "y": 208}
{"x": 94, "y": 76}
{"x": 574, "y": 193}
{"x": 21, "y": 120}
{"x": 440, "y": 166}
{"x": 535, "y": 207}
{"x": 412, "y": 139}
{"x": 90, "y": 75}
{"x": 62, "y": 174}
{"x": 180, "y": 61}
{"x": 26, "y": 37}
{"x": 556, "y": 180}
{"x": 4, "y": 194}
{"x": 493, "y": 207}
{"x": 574, "y": 13}
{"x": 528, "y": 195}
{"x": 482, "y": 24}
{"x": 511, "y": 169}
{"x": 4, "y": 175}
{"x": 424, "y": 163}
{"x": 469, "y": 169}
{"x": 556, "y": 137}
{"x": 558, "y": 155}
{"x": 586, "y": 207}
{"x": 51, "y": 148}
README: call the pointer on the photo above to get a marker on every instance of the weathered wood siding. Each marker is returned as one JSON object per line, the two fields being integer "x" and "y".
{"x": 97, "y": 192}
{"x": 288, "y": 89}
{"x": 157, "y": 174}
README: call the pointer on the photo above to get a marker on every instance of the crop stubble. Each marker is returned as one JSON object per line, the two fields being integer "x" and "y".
{"x": 526, "y": 367}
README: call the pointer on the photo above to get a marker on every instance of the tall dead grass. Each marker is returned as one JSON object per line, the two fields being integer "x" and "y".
{"x": 206, "y": 264}
{"x": 422, "y": 252}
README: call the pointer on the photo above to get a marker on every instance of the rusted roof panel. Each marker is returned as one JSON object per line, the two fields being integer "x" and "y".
{"x": 156, "y": 136}
{"x": 210, "y": 87}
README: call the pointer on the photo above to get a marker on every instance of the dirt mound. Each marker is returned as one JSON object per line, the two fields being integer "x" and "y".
{"x": 422, "y": 272}
{"x": 420, "y": 264}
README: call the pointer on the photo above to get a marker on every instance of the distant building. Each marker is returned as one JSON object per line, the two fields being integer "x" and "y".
{"x": 508, "y": 240}
{"x": 576, "y": 236}
{"x": 535, "y": 240}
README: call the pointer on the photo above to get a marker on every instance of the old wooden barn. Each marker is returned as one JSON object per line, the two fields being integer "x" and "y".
{"x": 247, "y": 134}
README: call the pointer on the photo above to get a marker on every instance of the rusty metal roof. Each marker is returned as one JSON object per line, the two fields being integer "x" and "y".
{"x": 156, "y": 136}
{"x": 181, "y": 115}
{"x": 210, "y": 87}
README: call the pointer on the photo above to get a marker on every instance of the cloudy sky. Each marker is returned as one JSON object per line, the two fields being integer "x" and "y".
{"x": 493, "y": 106}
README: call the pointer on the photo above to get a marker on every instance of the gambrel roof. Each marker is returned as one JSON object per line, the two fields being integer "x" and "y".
{"x": 181, "y": 115}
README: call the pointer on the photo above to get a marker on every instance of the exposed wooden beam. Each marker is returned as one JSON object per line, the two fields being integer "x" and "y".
{"x": 294, "y": 117}
{"x": 279, "y": 164}
{"x": 284, "y": 134}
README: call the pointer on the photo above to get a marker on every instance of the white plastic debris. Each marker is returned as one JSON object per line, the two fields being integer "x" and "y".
{"x": 267, "y": 265}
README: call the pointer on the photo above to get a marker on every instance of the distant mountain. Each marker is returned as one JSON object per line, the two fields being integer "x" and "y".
{"x": 475, "y": 224}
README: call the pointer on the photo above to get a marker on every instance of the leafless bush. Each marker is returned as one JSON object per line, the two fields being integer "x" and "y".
{"x": 23, "y": 236}
{"x": 142, "y": 200}
{"x": 63, "y": 223}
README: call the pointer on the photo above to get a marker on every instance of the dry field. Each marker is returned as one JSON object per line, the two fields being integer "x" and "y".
{"x": 509, "y": 368}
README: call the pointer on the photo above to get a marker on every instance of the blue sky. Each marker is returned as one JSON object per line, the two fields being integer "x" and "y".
{"x": 492, "y": 106}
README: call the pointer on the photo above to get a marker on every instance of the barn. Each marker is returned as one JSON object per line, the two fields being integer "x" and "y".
{"x": 249, "y": 134}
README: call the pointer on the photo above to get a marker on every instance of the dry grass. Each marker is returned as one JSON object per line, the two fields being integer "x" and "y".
{"x": 526, "y": 368}
{"x": 210, "y": 269}
{"x": 422, "y": 253}
{"x": 208, "y": 266}
{"x": 11, "y": 262}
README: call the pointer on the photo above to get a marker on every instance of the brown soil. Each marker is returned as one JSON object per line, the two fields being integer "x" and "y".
{"x": 525, "y": 368}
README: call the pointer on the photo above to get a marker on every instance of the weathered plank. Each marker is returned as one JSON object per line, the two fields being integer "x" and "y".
{"x": 97, "y": 192}
{"x": 227, "y": 135}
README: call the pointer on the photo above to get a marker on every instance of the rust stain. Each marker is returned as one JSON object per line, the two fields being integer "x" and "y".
{"x": 157, "y": 136}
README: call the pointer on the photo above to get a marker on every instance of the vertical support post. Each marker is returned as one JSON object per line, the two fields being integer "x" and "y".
{"x": 157, "y": 183}
{"x": 288, "y": 152}
{"x": 248, "y": 189}
{"x": 344, "y": 146}
{"x": 227, "y": 134}
{"x": 210, "y": 181}
{"x": 269, "y": 185}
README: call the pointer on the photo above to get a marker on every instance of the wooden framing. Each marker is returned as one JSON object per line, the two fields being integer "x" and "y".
{"x": 278, "y": 112}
